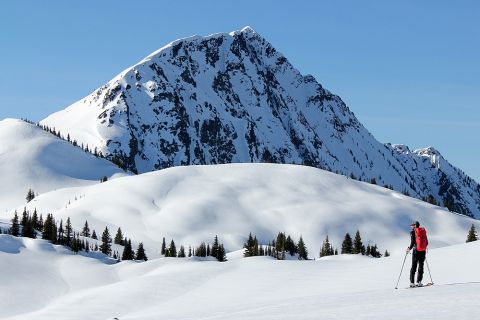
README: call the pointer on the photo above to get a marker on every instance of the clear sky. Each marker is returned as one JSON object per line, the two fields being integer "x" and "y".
{"x": 409, "y": 70}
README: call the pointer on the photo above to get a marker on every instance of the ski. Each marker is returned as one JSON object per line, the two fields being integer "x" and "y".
{"x": 425, "y": 285}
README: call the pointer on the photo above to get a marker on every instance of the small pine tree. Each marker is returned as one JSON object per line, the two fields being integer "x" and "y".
{"x": 106, "y": 246}
{"x": 68, "y": 232}
{"x": 94, "y": 235}
{"x": 164, "y": 246}
{"x": 221, "y": 256}
{"x": 357, "y": 243}
{"x": 280, "y": 246}
{"x": 15, "y": 229}
{"x": 189, "y": 251}
{"x": 387, "y": 254}
{"x": 119, "y": 237}
{"x": 472, "y": 234}
{"x": 172, "y": 250}
{"x": 30, "y": 195}
{"x": 347, "y": 245}
{"x": 86, "y": 230}
{"x": 140, "y": 255}
{"x": 302, "y": 250}
{"x": 215, "y": 247}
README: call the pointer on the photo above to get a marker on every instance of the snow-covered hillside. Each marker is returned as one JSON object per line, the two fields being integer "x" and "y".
{"x": 33, "y": 158}
{"x": 192, "y": 204}
{"x": 232, "y": 97}
{"x": 41, "y": 281}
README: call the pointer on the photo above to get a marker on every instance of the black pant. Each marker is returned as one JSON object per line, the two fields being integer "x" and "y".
{"x": 418, "y": 258}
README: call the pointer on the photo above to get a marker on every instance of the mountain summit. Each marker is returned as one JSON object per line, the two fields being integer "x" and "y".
{"x": 232, "y": 97}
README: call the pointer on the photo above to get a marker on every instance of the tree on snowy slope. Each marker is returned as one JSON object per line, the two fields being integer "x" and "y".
{"x": 302, "y": 250}
{"x": 181, "y": 252}
{"x": 128, "y": 253}
{"x": 119, "y": 237}
{"x": 86, "y": 230}
{"x": 290, "y": 246}
{"x": 172, "y": 250}
{"x": 347, "y": 245}
{"x": 251, "y": 246}
{"x": 357, "y": 243}
{"x": 327, "y": 249}
{"x": 472, "y": 234}
{"x": 280, "y": 246}
{"x": 30, "y": 195}
{"x": 164, "y": 247}
{"x": 106, "y": 246}
{"x": 94, "y": 235}
{"x": 140, "y": 255}
{"x": 15, "y": 229}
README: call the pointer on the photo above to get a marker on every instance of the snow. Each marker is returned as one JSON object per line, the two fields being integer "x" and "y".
{"x": 59, "y": 285}
{"x": 33, "y": 158}
{"x": 192, "y": 204}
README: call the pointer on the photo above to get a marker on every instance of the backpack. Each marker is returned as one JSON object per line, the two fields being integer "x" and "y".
{"x": 421, "y": 239}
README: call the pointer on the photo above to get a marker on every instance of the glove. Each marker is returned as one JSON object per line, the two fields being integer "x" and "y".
{"x": 408, "y": 249}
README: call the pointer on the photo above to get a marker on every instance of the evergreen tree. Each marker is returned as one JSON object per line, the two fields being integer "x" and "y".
{"x": 140, "y": 255}
{"x": 30, "y": 195}
{"x": 68, "y": 232}
{"x": 40, "y": 223}
{"x": 94, "y": 235}
{"x": 15, "y": 229}
{"x": 472, "y": 234}
{"x": 326, "y": 249}
{"x": 106, "y": 246}
{"x": 164, "y": 246}
{"x": 302, "y": 250}
{"x": 190, "y": 251}
{"x": 86, "y": 230}
{"x": 172, "y": 250}
{"x": 181, "y": 252}
{"x": 357, "y": 243}
{"x": 368, "y": 251}
{"x": 290, "y": 246}
{"x": 387, "y": 254}
{"x": 336, "y": 252}
{"x": 347, "y": 245}
{"x": 249, "y": 246}
{"x": 215, "y": 247}
{"x": 128, "y": 253}
{"x": 60, "y": 237}
{"x": 221, "y": 256}
{"x": 119, "y": 237}
{"x": 280, "y": 246}
{"x": 35, "y": 219}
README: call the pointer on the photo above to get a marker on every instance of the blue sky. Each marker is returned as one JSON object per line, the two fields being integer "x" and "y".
{"x": 409, "y": 70}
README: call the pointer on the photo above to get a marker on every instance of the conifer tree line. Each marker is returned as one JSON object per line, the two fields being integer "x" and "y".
{"x": 114, "y": 159}
{"x": 350, "y": 246}
{"x": 216, "y": 250}
{"x": 278, "y": 248}
{"x": 32, "y": 225}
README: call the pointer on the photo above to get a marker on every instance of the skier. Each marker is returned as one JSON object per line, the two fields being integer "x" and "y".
{"x": 418, "y": 243}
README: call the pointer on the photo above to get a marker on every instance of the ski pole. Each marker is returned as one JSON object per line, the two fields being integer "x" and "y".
{"x": 406, "y": 254}
{"x": 431, "y": 280}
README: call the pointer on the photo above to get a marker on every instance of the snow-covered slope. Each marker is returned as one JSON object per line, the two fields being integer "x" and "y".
{"x": 46, "y": 282}
{"x": 192, "y": 204}
{"x": 33, "y": 158}
{"x": 232, "y": 97}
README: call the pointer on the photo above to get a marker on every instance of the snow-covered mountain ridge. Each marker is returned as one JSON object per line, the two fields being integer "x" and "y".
{"x": 232, "y": 97}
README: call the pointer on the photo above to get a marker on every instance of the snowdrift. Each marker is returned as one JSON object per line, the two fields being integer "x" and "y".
{"x": 33, "y": 158}
{"x": 41, "y": 281}
{"x": 194, "y": 203}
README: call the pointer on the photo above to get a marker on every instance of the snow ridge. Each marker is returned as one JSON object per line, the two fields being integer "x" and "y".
{"x": 232, "y": 98}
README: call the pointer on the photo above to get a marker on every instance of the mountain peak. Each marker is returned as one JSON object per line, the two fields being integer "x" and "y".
{"x": 232, "y": 97}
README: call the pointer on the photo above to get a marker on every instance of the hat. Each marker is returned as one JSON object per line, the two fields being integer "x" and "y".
{"x": 415, "y": 223}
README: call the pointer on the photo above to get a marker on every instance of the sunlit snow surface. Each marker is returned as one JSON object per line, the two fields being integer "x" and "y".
{"x": 46, "y": 282}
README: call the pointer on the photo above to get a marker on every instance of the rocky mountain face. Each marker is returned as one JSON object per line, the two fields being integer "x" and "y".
{"x": 232, "y": 97}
